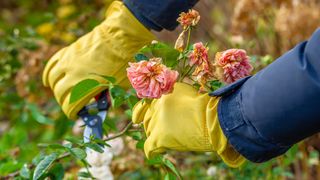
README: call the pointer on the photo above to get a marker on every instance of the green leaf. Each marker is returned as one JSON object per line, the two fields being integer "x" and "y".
{"x": 171, "y": 166}
{"x": 8, "y": 167}
{"x": 170, "y": 176}
{"x": 56, "y": 146}
{"x": 44, "y": 165}
{"x": 158, "y": 159}
{"x": 84, "y": 175}
{"x": 94, "y": 147}
{"x": 57, "y": 171}
{"x": 136, "y": 135}
{"x": 101, "y": 142}
{"x": 68, "y": 145}
{"x": 78, "y": 153}
{"x": 74, "y": 140}
{"x": 140, "y": 57}
{"x": 110, "y": 79}
{"x": 36, "y": 160}
{"x": 61, "y": 125}
{"x": 128, "y": 112}
{"x": 132, "y": 100}
{"x": 168, "y": 54}
{"x": 140, "y": 144}
{"x": 83, "y": 88}
{"x": 214, "y": 85}
{"x": 117, "y": 96}
{"x": 110, "y": 123}
{"x": 37, "y": 115}
{"x": 25, "y": 172}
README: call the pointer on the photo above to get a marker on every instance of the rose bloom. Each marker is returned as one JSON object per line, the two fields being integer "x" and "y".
{"x": 199, "y": 54}
{"x": 151, "y": 79}
{"x": 191, "y": 18}
{"x": 232, "y": 64}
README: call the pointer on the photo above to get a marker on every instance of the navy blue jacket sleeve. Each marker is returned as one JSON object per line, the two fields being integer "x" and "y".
{"x": 159, "y": 14}
{"x": 265, "y": 114}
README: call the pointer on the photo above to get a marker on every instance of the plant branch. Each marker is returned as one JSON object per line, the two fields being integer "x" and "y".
{"x": 124, "y": 130}
{"x": 67, "y": 154}
{"x": 16, "y": 173}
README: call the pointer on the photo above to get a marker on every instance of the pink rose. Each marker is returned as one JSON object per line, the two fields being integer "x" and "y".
{"x": 232, "y": 64}
{"x": 151, "y": 79}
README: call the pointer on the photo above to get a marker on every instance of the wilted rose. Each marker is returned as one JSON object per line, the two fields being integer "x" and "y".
{"x": 151, "y": 79}
{"x": 232, "y": 64}
{"x": 204, "y": 68}
{"x": 199, "y": 54}
{"x": 191, "y": 18}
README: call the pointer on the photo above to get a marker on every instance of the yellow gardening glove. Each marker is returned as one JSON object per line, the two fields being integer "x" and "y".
{"x": 184, "y": 120}
{"x": 106, "y": 50}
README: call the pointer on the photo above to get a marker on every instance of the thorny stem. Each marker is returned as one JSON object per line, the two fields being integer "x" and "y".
{"x": 67, "y": 154}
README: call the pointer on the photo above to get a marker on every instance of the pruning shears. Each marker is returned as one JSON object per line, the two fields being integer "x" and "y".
{"x": 93, "y": 121}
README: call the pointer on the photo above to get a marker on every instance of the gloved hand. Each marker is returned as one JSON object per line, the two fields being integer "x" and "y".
{"x": 184, "y": 120}
{"x": 106, "y": 50}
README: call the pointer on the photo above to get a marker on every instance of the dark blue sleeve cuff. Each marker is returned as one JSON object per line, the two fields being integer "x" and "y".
{"x": 159, "y": 14}
{"x": 262, "y": 116}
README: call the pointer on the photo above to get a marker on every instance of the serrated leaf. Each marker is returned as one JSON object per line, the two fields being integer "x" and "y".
{"x": 140, "y": 57}
{"x": 83, "y": 88}
{"x": 25, "y": 172}
{"x": 171, "y": 166}
{"x": 44, "y": 165}
{"x": 78, "y": 153}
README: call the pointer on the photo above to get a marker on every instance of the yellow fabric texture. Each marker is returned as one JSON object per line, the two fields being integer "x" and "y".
{"x": 106, "y": 50}
{"x": 184, "y": 120}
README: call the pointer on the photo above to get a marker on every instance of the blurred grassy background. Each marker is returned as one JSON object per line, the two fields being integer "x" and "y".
{"x": 31, "y": 31}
